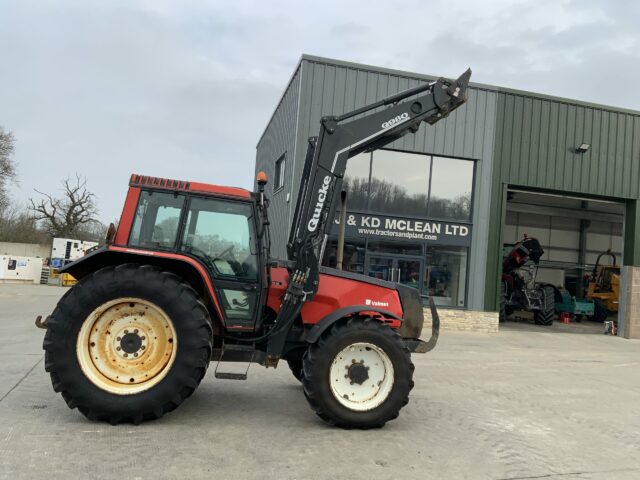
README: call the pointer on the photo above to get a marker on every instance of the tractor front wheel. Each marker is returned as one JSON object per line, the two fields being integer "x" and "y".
{"x": 127, "y": 344}
{"x": 547, "y": 311}
{"x": 358, "y": 375}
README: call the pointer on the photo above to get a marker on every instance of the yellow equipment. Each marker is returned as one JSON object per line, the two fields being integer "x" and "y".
{"x": 67, "y": 280}
{"x": 63, "y": 279}
{"x": 604, "y": 287}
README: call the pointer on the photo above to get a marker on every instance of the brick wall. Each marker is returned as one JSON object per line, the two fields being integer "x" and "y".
{"x": 631, "y": 297}
{"x": 465, "y": 320}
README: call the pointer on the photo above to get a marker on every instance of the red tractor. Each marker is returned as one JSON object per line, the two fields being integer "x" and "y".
{"x": 187, "y": 279}
{"x": 519, "y": 289}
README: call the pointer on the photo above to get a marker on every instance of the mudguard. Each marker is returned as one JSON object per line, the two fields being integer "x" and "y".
{"x": 111, "y": 255}
{"x": 415, "y": 345}
{"x": 319, "y": 328}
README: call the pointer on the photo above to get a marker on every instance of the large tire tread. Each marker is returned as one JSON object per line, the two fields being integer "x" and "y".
{"x": 191, "y": 361}
{"x": 547, "y": 313}
{"x": 320, "y": 397}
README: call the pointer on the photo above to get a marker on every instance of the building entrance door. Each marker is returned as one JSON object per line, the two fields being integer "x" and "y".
{"x": 407, "y": 270}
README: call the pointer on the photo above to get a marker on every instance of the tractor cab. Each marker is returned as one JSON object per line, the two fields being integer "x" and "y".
{"x": 217, "y": 227}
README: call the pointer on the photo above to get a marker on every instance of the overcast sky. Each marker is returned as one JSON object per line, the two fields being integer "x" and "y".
{"x": 183, "y": 89}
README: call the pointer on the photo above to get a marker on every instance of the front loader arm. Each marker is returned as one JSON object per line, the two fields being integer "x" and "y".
{"x": 340, "y": 138}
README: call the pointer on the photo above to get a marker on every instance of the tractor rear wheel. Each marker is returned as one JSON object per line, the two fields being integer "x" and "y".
{"x": 600, "y": 311}
{"x": 294, "y": 360}
{"x": 127, "y": 344}
{"x": 547, "y": 311}
{"x": 358, "y": 375}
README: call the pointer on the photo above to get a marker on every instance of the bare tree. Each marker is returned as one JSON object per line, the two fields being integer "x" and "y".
{"x": 17, "y": 225}
{"x": 70, "y": 215}
{"x": 93, "y": 232}
{"x": 7, "y": 165}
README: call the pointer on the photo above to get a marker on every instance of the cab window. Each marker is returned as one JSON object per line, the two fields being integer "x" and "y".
{"x": 157, "y": 220}
{"x": 221, "y": 233}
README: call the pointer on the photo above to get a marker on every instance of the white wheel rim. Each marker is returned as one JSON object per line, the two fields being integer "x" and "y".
{"x": 126, "y": 346}
{"x": 350, "y": 366}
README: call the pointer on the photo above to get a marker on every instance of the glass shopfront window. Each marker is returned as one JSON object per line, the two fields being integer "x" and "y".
{"x": 352, "y": 258}
{"x": 446, "y": 275}
{"x": 399, "y": 183}
{"x": 441, "y": 272}
{"x": 400, "y": 248}
{"x": 410, "y": 184}
{"x": 356, "y": 181}
{"x": 428, "y": 200}
{"x": 451, "y": 186}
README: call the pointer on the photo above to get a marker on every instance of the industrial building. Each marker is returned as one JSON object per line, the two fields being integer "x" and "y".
{"x": 439, "y": 209}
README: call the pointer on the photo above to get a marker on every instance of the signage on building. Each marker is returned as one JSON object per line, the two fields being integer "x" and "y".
{"x": 402, "y": 228}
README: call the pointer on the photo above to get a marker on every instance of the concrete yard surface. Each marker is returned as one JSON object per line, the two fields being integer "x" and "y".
{"x": 525, "y": 403}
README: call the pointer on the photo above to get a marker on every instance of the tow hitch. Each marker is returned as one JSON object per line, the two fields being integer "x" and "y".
{"x": 415, "y": 345}
{"x": 42, "y": 323}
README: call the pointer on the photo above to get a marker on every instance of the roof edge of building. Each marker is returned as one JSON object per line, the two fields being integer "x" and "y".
{"x": 480, "y": 86}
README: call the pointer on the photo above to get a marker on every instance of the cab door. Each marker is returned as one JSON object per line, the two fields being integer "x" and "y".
{"x": 222, "y": 235}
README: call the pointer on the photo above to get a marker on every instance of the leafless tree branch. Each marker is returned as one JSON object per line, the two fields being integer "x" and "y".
{"x": 68, "y": 215}
{"x": 7, "y": 165}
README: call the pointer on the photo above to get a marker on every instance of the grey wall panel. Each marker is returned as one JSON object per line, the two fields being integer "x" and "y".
{"x": 330, "y": 89}
{"x": 565, "y": 238}
{"x": 566, "y": 256}
{"x": 592, "y": 257}
{"x": 280, "y": 138}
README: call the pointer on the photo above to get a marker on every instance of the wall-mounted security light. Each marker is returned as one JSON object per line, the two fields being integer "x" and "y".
{"x": 583, "y": 148}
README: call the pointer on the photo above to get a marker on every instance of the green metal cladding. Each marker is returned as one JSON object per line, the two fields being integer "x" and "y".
{"x": 535, "y": 147}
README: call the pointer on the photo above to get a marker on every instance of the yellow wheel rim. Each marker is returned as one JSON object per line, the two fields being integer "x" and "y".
{"x": 126, "y": 346}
